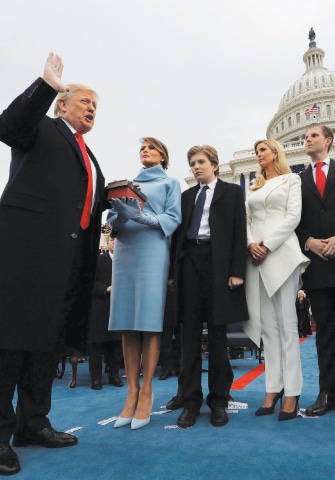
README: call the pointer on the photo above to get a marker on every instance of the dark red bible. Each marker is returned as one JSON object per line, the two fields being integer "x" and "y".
{"x": 125, "y": 188}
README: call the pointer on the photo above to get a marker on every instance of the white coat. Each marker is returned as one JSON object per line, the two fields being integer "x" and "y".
{"x": 273, "y": 213}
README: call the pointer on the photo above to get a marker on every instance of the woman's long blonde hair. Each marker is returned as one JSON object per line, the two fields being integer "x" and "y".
{"x": 280, "y": 163}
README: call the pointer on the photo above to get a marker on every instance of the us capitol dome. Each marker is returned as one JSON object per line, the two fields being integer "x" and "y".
{"x": 308, "y": 100}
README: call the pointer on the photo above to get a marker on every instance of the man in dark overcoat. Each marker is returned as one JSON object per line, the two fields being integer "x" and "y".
{"x": 316, "y": 233}
{"x": 103, "y": 342}
{"x": 208, "y": 268}
{"x": 44, "y": 304}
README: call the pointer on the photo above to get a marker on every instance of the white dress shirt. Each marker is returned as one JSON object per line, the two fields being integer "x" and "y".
{"x": 204, "y": 230}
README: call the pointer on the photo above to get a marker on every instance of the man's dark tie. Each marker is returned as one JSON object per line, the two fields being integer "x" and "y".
{"x": 193, "y": 229}
{"x": 320, "y": 177}
{"x": 85, "y": 217}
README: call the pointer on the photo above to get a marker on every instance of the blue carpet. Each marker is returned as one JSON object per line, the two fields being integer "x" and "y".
{"x": 248, "y": 447}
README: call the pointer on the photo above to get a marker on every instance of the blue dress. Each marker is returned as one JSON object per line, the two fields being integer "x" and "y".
{"x": 141, "y": 257}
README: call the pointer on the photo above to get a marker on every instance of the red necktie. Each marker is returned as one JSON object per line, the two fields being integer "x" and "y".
{"x": 85, "y": 218}
{"x": 320, "y": 177}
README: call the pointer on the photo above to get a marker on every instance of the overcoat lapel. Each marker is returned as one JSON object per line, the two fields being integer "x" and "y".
{"x": 307, "y": 178}
{"x": 189, "y": 205}
{"x": 220, "y": 189}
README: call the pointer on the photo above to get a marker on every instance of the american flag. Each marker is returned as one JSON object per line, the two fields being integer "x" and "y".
{"x": 313, "y": 110}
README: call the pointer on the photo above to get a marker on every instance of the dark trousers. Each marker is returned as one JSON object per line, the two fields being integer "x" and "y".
{"x": 323, "y": 309}
{"x": 112, "y": 351}
{"x": 196, "y": 294}
{"x": 33, "y": 374}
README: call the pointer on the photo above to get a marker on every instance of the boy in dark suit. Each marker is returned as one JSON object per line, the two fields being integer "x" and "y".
{"x": 208, "y": 261}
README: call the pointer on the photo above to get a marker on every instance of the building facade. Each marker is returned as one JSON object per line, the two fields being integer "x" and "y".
{"x": 313, "y": 92}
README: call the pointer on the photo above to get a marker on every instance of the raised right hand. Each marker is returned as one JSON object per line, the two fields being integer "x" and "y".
{"x": 52, "y": 74}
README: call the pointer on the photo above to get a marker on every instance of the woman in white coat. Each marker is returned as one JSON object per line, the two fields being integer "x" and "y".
{"x": 274, "y": 268}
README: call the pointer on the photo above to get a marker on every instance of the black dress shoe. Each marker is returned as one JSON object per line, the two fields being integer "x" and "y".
{"x": 9, "y": 463}
{"x": 187, "y": 418}
{"x": 116, "y": 381}
{"x": 323, "y": 403}
{"x": 219, "y": 416}
{"x": 165, "y": 374}
{"x": 47, "y": 437}
{"x": 96, "y": 385}
{"x": 175, "y": 403}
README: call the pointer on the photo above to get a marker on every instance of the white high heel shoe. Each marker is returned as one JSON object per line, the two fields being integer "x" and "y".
{"x": 139, "y": 423}
{"x": 122, "y": 421}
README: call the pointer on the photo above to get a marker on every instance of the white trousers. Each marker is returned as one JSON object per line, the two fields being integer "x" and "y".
{"x": 280, "y": 336}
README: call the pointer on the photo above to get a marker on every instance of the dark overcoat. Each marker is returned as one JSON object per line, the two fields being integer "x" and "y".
{"x": 318, "y": 221}
{"x": 227, "y": 221}
{"x": 99, "y": 320}
{"x": 40, "y": 211}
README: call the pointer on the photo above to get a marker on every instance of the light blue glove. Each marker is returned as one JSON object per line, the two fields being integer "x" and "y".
{"x": 128, "y": 209}
{"x": 132, "y": 210}
{"x": 117, "y": 221}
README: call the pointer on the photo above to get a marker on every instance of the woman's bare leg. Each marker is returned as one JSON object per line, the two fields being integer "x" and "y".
{"x": 132, "y": 346}
{"x": 150, "y": 355}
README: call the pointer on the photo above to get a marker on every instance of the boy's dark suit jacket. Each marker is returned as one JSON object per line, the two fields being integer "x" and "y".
{"x": 228, "y": 239}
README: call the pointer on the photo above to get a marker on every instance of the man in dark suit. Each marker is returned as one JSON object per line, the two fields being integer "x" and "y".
{"x": 316, "y": 233}
{"x": 208, "y": 264}
{"x": 101, "y": 340}
{"x": 55, "y": 193}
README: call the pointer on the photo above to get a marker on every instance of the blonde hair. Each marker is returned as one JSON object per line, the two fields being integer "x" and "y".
{"x": 280, "y": 163}
{"x": 64, "y": 96}
{"x": 160, "y": 147}
{"x": 209, "y": 151}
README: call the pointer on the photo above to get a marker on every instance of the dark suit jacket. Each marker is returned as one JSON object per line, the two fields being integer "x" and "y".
{"x": 99, "y": 320}
{"x": 318, "y": 221}
{"x": 40, "y": 211}
{"x": 228, "y": 240}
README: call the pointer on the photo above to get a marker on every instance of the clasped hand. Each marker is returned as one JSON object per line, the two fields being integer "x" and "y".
{"x": 324, "y": 248}
{"x": 129, "y": 209}
{"x": 258, "y": 252}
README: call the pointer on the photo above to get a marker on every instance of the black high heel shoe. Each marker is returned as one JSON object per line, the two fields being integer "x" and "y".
{"x": 269, "y": 410}
{"x": 289, "y": 415}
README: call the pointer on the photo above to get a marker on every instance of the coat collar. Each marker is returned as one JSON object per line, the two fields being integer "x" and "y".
{"x": 275, "y": 182}
{"x": 219, "y": 190}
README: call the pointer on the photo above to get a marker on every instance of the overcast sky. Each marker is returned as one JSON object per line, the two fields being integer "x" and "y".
{"x": 188, "y": 72}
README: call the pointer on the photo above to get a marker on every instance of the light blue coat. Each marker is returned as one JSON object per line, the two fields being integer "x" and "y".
{"x": 141, "y": 257}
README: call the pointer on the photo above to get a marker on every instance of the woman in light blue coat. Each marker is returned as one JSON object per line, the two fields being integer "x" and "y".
{"x": 140, "y": 274}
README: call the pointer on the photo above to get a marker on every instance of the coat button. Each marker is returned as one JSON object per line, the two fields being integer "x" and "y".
{"x": 80, "y": 206}
{"x": 74, "y": 235}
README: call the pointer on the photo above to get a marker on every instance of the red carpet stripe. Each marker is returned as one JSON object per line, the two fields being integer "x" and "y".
{"x": 249, "y": 377}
